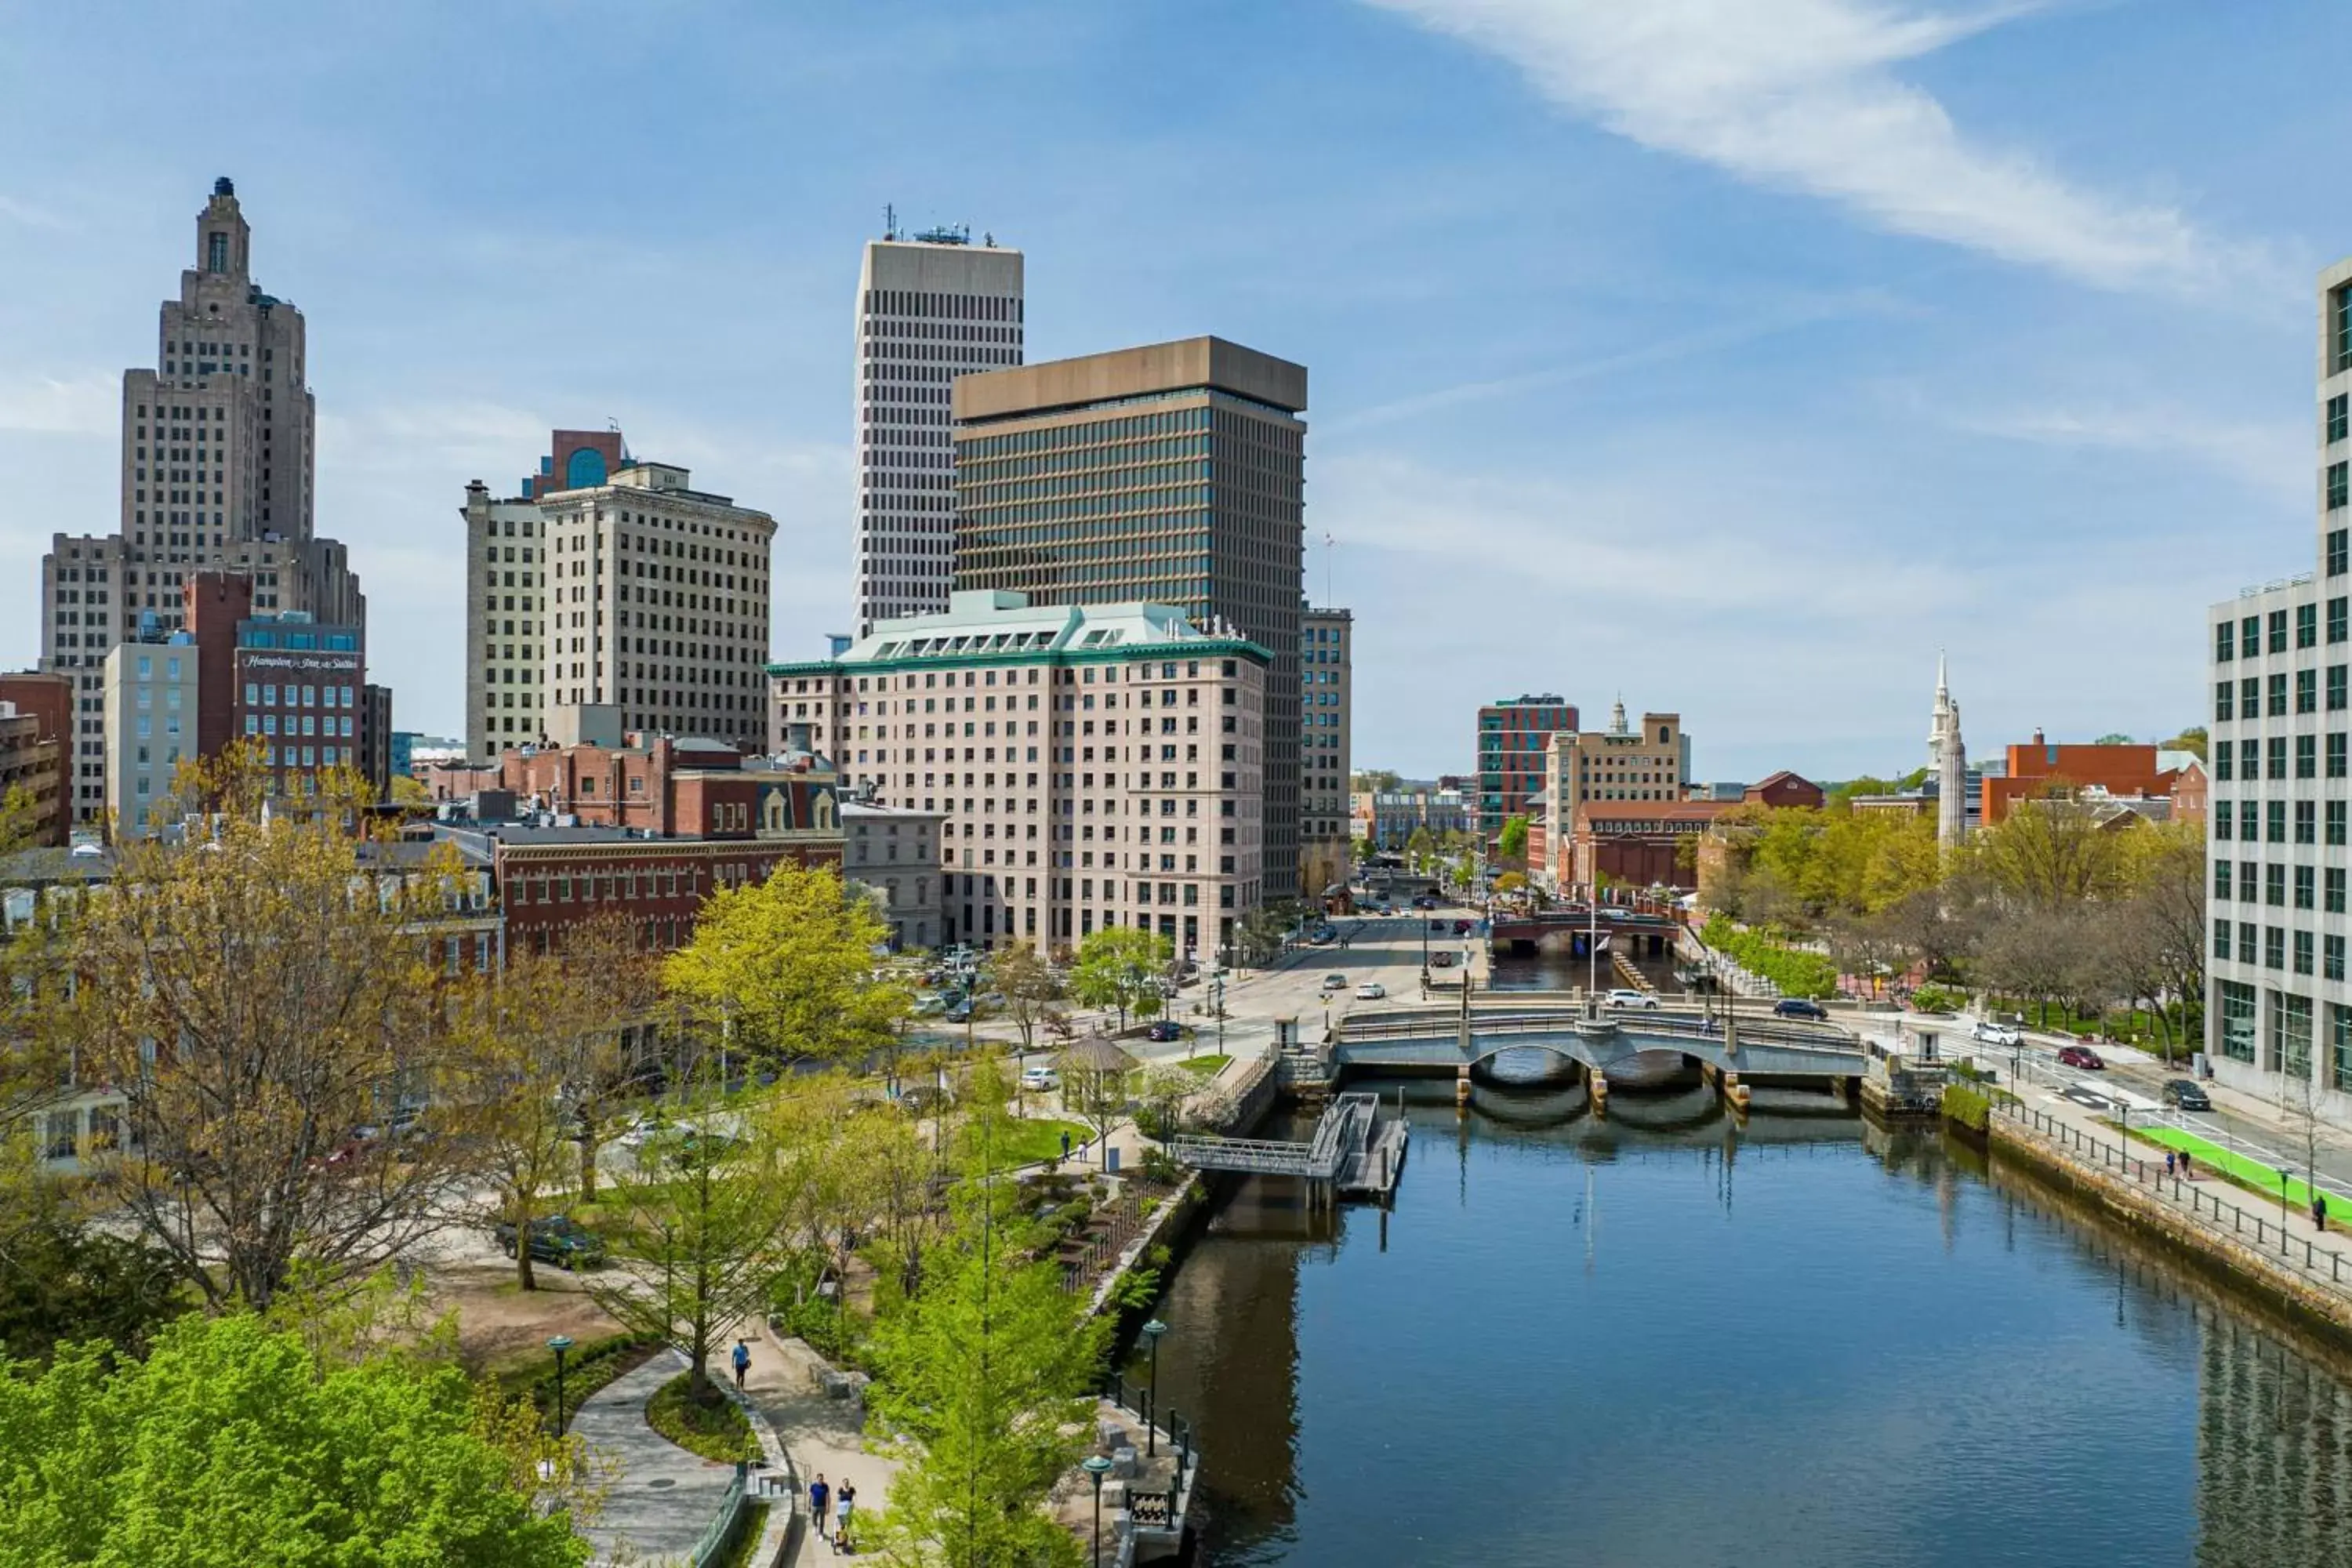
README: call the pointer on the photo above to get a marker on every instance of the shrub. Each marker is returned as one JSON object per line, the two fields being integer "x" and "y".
{"x": 713, "y": 1427}
{"x": 1936, "y": 999}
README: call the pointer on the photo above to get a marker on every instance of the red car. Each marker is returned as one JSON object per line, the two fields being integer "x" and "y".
{"x": 2079, "y": 1056}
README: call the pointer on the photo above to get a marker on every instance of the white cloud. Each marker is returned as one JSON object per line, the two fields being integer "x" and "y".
{"x": 89, "y": 403}
{"x": 29, "y": 216}
{"x": 1803, "y": 95}
{"x": 2271, "y": 459}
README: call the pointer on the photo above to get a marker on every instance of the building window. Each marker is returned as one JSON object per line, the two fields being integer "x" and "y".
{"x": 2336, "y": 753}
{"x": 2339, "y": 619}
{"x": 2225, "y": 706}
{"x": 2336, "y": 416}
{"x": 2237, "y": 1020}
{"x": 2340, "y": 549}
{"x": 2306, "y": 883}
{"x": 2336, "y": 687}
{"x": 2333, "y": 882}
{"x": 2274, "y": 886}
{"x": 2278, "y": 631}
{"x": 2277, "y": 703}
{"x": 2250, "y": 636}
{"x": 2225, "y": 762}
{"x": 2306, "y": 749}
{"x": 2291, "y": 1032}
{"x": 2306, "y": 625}
{"x": 2340, "y": 305}
{"x": 2339, "y": 1035}
{"x": 2276, "y": 757}
{"x": 2276, "y": 813}
{"x": 2303, "y": 966}
{"x": 2339, "y": 480}
{"x": 2225, "y": 645}
{"x": 2306, "y": 691}
{"x": 2335, "y": 822}
{"x": 2331, "y": 957}
{"x": 2221, "y": 940}
{"x": 2221, "y": 880}
{"x": 2273, "y": 947}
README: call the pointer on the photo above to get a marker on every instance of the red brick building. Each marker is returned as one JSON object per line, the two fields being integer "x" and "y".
{"x": 667, "y": 786}
{"x": 551, "y": 878}
{"x": 36, "y": 748}
{"x": 2038, "y": 768}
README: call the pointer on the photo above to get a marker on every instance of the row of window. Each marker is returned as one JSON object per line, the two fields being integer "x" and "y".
{"x": 2270, "y": 881}
{"x": 2253, "y": 758}
{"x": 2246, "y": 637}
{"x": 2254, "y": 825}
{"x": 2253, "y": 698}
{"x": 2279, "y": 948}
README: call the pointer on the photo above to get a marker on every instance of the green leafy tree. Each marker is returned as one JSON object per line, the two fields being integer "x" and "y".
{"x": 231, "y": 1447}
{"x": 1027, "y": 984}
{"x": 2190, "y": 740}
{"x": 784, "y": 968}
{"x": 1121, "y": 967}
{"x": 985, "y": 1382}
{"x": 1512, "y": 846}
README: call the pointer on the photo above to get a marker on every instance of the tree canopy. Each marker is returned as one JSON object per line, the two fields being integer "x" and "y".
{"x": 784, "y": 968}
{"x": 1121, "y": 966}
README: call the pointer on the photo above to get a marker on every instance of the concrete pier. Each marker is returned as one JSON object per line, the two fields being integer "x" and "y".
{"x": 1596, "y": 1086}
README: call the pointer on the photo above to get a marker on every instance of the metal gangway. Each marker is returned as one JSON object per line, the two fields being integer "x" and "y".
{"x": 1343, "y": 1132}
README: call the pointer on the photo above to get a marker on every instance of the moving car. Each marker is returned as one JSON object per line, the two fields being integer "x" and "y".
{"x": 1799, "y": 1007}
{"x": 1993, "y": 1034}
{"x": 1164, "y": 1029}
{"x": 1424, "y": 903}
{"x": 554, "y": 1239}
{"x": 1626, "y": 997}
{"x": 2079, "y": 1056}
{"x": 1441, "y": 961}
{"x": 2185, "y": 1094}
{"x": 1370, "y": 991}
{"x": 1040, "y": 1081}
{"x": 1335, "y": 982}
{"x": 1437, "y": 925}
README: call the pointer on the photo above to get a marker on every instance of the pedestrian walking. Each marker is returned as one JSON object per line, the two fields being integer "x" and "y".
{"x": 2185, "y": 1171}
{"x": 1065, "y": 1144}
{"x": 2319, "y": 1211}
{"x": 820, "y": 1509}
{"x": 742, "y": 1360}
{"x": 844, "y": 1505}
{"x": 2170, "y": 1159}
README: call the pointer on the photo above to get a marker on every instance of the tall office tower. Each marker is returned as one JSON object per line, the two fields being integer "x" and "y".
{"x": 1514, "y": 737}
{"x": 660, "y": 596}
{"x": 930, "y": 308}
{"x": 2280, "y": 1011}
{"x": 217, "y": 459}
{"x": 1326, "y": 656}
{"x": 1172, "y": 474}
{"x": 506, "y": 590}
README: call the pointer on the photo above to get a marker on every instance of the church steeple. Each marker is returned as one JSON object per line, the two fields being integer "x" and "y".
{"x": 1948, "y": 758}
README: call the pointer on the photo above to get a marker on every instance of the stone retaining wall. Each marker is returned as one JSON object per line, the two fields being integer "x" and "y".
{"x": 2246, "y": 1267}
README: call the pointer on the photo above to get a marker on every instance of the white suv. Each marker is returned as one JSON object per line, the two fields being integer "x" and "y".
{"x": 1629, "y": 998}
{"x": 1993, "y": 1034}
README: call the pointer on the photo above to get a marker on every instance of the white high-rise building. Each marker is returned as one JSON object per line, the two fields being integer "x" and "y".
{"x": 930, "y": 308}
{"x": 2278, "y": 1018}
{"x": 218, "y": 455}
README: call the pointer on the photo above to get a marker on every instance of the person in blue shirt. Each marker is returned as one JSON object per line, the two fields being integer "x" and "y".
{"x": 742, "y": 1360}
{"x": 819, "y": 1496}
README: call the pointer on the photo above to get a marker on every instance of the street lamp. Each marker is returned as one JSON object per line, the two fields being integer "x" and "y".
{"x": 1098, "y": 1466}
{"x": 561, "y": 1344}
{"x": 1151, "y": 1332}
{"x": 2283, "y": 1174}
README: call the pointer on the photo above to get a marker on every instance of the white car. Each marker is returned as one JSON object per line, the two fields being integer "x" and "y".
{"x": 1631, "y": 998}
{"x": 1993, "y": 1034}
{"x": 1370, "y": 991}
{"x": 1040, "y": 1081}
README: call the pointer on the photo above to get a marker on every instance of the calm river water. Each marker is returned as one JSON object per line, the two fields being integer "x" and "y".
{"x": 1657, "y": 1340}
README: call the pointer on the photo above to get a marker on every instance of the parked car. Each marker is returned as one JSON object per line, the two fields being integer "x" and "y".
{"x": 554, "y": 1239}
{"x": 1334, "y": 982}
{"x": 1799, "y": 1007}
{"x": 1040, "y": 1081}
{"x": 2186, "y": 1094}
{"x": 1370, "y": 991}
{"x": 1461, "y": 928}
{"x": 1441, "y": 961}
{"x": 1993, "y": 1034}
{"x": 1164, "y": 1029}
{"x": 2080, "y": 1056}
{"x": 959, "y": 1014}
{"x": 1437, "y": 925}
{"x": 1626, "y": 997}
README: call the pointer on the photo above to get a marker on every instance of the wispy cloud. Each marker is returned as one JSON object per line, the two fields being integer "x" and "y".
{"x": 2272, "y": 460}
{"x": 1803, "y": 95}
{"x": 88, "y": 404}
{"x": 30, "y": 216}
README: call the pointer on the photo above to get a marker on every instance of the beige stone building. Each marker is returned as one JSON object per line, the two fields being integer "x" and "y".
{"x": 652, "y": 606}
{"x": 893, "y": 850}
{"x": 218, "y": 465}
{"x": 1326, "y": 823}
{"x": 1172, "y": 474}
{"x": 1619, "y": 763}
{"x": 1091, "y": 766}
{"x": 930, "y": 308}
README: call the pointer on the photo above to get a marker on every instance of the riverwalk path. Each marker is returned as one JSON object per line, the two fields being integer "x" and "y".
{"x": 661, "y": 1498}
{"x": 822, "y": 1434}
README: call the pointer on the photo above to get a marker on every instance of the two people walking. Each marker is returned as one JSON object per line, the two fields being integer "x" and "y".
{"x": 844, "y": 1505}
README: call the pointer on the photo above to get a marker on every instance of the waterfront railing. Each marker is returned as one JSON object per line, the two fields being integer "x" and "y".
{"x": 2208, "y": 1203}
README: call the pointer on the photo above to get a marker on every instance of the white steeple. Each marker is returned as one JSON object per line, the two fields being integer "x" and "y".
{"x": 1947, "y": 755}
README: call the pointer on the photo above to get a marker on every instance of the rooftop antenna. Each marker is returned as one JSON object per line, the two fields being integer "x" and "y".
{"x": 1329, "y": 545}
{"x": 889, "y": 221}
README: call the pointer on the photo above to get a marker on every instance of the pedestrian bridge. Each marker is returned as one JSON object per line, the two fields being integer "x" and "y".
{"x": 1435, "y": 1038}
{"x": 1353, "y": 1151}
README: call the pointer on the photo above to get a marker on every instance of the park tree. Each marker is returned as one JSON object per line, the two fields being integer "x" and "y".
{"x": 1027, "y": 984}
{"x": 1511, "y": 882}
{"x": 985, "y": 1383}
{"x": 258, "y": 999}
{"x": 615, "y": 979}
{"x": 1121, "y": 967}
{"x": 2052, "y": 852}
{"x": 230, "y": 1444}
{"x": 782, "y": 968}
{"x": 696, "y": 1216}
{"x": 2156, "y": 928}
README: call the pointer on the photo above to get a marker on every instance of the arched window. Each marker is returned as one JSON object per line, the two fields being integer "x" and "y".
{"x": 583, "y": 469}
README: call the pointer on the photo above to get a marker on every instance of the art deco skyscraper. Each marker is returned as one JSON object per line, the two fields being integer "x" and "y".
{"x": 218, "y": 454}
{"x": 930, "y": 308}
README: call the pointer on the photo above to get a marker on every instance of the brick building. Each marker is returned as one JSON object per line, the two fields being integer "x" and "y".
{"x": 35, "y": 749}
{"x": 2038, "y": 768}
{"x": 1514, "y": 738}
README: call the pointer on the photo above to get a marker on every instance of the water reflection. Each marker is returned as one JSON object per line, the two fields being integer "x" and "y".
{"x": 1671, "y": 1337}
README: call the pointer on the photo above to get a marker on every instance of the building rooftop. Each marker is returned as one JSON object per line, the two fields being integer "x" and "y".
{"x": 1209, "y": 364}
{"x": 988, "y": 626}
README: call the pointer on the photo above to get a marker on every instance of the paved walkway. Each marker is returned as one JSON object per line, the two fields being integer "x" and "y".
{"x": 821, "y": 1435}
{"x": 662, "y": 1497}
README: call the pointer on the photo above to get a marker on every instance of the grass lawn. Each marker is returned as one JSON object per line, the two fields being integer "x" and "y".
{"x": 1207, "y": 1067}
{"x": 2248, "y": 1173}
{"x": 1025, "y": 1140}
{"x": 715, "y": 1431}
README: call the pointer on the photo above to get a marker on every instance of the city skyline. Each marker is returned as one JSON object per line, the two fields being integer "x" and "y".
{"x": 2020, "y": 378}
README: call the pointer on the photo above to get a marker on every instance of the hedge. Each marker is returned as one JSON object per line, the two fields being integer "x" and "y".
{"x": 1796, "y": 971}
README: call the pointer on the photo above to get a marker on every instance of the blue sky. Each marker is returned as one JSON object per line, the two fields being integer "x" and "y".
{"x": 1732, "y": 355}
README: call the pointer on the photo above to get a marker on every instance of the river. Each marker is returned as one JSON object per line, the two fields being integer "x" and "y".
{"x": 1660, "y": 1340}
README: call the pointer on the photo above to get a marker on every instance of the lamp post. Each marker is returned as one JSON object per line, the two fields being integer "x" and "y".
{"x": 1151, "y": 1332}
{"x": 1098, "y": 1466}
{"x": 561, "y": 1344}
{"x": 2282, "y": 1170}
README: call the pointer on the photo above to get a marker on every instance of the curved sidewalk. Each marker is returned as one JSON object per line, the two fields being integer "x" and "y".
{"x": 662, "y": 1498}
